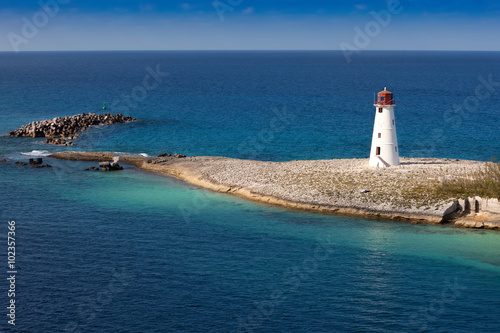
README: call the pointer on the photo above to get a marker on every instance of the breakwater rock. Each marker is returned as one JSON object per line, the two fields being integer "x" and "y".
{"x": 67, "y": 127}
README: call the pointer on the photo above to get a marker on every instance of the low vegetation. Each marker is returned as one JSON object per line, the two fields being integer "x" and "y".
{"x": 484, "y": 183}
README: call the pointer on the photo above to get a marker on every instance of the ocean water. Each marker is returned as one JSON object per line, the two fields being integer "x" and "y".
{"x": 138, "y": 252}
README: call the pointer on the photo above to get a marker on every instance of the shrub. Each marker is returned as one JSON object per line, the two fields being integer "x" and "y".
{"x": 485, "y": 183}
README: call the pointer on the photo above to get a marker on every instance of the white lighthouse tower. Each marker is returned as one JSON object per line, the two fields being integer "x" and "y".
{"x": 384, "y": 152}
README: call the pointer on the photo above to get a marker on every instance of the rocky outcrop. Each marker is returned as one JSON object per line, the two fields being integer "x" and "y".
{"x": 59, "y": 141}
{"x": 58, "y": 130}
{"x": 478, "y": 213}
{"x": 163, "y": 157}
{"x": 111, "y": 166}
{"x": 477, "y": 224}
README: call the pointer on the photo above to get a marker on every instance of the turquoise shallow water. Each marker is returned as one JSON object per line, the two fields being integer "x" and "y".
{"x": 138, "y": 252}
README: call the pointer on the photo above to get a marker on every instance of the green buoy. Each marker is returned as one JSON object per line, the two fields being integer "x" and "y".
{"x": 104, "y": 106}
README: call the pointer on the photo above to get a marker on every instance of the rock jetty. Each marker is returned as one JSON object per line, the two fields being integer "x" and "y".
{"x": 61, "y": 129}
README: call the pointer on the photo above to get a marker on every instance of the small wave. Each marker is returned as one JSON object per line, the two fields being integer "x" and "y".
{"x": 129, "y": 154}
{"x": 37, "y": 153}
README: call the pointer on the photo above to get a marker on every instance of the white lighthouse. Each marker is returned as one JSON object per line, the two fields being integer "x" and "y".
{"x": 384, "y": 152}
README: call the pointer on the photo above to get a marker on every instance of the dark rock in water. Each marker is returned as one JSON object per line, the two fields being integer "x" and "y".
{"x": 55, "y": 130}
{"x": 179, "y": 155}
{"x": 37, "y": 166}
{"x": 111, "y": 166}
{"x": 164, "y": 155}
{"x": 114, "y": 165}
{"x": 86, "y": 169}
{"x": 3, "y": 160}
{"x": 35, "y": 162}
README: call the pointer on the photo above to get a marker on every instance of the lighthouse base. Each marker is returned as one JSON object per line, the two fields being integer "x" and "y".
{"x": 379, "y": 162}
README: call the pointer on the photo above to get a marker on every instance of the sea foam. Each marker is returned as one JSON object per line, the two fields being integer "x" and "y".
{"x": 37, "y": 153}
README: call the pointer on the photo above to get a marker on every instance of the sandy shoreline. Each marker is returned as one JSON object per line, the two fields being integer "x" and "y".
{"x": 343, "y": 186}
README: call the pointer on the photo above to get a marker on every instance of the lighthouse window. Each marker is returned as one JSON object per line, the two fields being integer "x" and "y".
{"x": 378, "y": 151}
{"x": 380, "y": 110}
{"x": 379, "y": 135}
{"x": 396, "y": 148}
{"x": 393, "y": 121}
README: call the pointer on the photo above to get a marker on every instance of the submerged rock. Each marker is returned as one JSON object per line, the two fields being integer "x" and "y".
{"x": 37, "y": 161}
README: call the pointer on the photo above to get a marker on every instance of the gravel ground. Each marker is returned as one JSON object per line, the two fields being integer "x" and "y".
{"x": 345, "y": 186}
{"x": 343, "y": 182}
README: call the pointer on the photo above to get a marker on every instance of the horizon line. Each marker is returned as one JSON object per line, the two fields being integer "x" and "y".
{"x": 247, "y": 50}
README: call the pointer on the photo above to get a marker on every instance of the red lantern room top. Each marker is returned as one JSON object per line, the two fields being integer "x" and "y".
{"x": 385, "y": 97}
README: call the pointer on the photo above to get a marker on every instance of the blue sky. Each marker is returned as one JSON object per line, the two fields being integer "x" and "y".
{"x": 249, "y": 24}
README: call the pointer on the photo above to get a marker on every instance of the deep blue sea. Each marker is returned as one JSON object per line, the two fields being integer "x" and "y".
{"x": 137, "y": 252}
